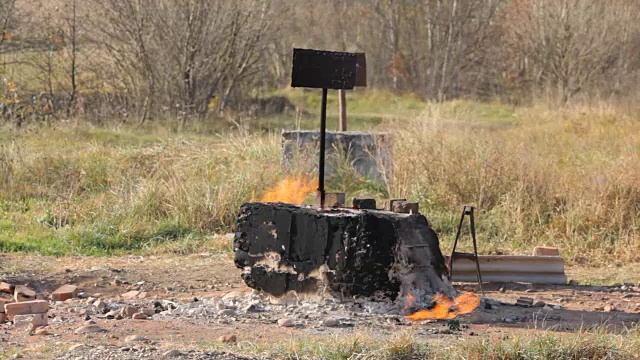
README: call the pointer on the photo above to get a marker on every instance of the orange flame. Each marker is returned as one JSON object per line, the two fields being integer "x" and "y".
{"x": 291, "y": 190}
{"x": 444, "y": 308}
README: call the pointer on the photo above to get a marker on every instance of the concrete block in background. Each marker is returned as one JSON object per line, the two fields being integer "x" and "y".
{"x": 369, "y": 153}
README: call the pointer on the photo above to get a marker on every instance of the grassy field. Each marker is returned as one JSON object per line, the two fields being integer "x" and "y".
{"x": 594, "y": 344}
{"x": 538, "y": 176}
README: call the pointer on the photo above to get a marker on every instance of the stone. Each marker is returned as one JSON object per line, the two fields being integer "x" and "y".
{"x": 331, "y": 322}
{"x": 139, "y": 316}
{"x": 148, "y": 311}
{"x": 76, "y": 347}
{"x": 228, "y": 338}
{"x": 42, "y": 331}
{"x": 627, "y": 296}
{"x": 226, "y": 313}
{"x": 34, "y": 319}
{"x": 172, "y": 353}
{"x": 609, "y": 308}
{"x": 130, "y": 294}
{"x": 143, "y": 295}
{"x": 23, "y": 293}
{"x": 88, "y": 329}
{"x": 90, "y": 322}
{"x": 65, "y": 292}
{"x": 286, "y": 322}
{"x": 128, "y": 311}
{"x": 134, "y": 338}
{"x": 6, "y": 288}
{"x": 100, "y": 304}
{"x": 27, "y": 307}
{"x": 629, "y": 284}
{"x": 539, "y": 304}
{"x": 545, "y": 251}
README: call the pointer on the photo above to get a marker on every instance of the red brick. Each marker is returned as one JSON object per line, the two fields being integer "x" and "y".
{"x": 2, "y": 303}
{"x": 65, "y": 292}
{"x": 6, "y": 288}
{"x": 23, "y": 293}
{"x": 26, "y": 307}
{"x": 545, "y": 251}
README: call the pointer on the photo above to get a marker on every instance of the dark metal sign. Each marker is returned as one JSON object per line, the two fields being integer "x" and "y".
{"x": 323, "y": 69}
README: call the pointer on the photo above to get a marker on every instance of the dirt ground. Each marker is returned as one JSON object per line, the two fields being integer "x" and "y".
{"x": 179, "y": 279}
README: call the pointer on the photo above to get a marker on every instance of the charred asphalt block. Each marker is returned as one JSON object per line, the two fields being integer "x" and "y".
{"x": 348, "y": 252}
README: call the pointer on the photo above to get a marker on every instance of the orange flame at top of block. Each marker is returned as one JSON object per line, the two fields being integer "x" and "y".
{"x": 291, "y": 190}
{"x": 444, "y": 308}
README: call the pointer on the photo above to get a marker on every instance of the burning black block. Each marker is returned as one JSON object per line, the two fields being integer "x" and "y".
{"x": 347, "y": 252}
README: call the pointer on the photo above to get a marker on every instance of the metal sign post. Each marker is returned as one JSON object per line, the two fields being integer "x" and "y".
{"x": 324, "y": 70}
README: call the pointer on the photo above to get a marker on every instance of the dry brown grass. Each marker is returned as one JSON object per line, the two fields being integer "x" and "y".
{"x": 568, "y": 177}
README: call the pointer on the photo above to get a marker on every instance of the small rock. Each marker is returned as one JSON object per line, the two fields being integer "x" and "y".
{"x": 87, "y": 329}
{"x": 228, "y": 338}
{"x": 128, "y": 311}
{"x": 220, "y": 306}
{"x": 75, "y": 347}
{"x": 509, "y": 320}
{"x": 143, "y": 295}
{"x": 609, "y": 308}
{"x": 629, "y": 284}
{"x": 616, "y": 285}
{"x": 539, "y": 304}
{"x": 445, "y": 331}
{"x": 285, "y": 322}
{"x": 226, "y": 313}
{"x": 133, "y": 338}
{"x": 41, "y": 331}
{"x": 172, "y": 353}
{"x": 626, "y": 296}
{"x": 139, "y": 316}
{"x": 148, "y": 311}
{"x": 89, "y": 322}
{"x": 130, "y": 294}
{"x": 502, "y": 289}
{"x": 331, "y": 322}
{"x": 100, "y": 304}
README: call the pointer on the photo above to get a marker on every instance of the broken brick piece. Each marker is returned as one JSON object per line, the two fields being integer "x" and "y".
{"x": 65, "y": 292}
{"x": 6, "y": 288}
{"x": 3, "y": 318}
{"x": 23, "y": 293}
{"x": 35, "y": 319}
{"x": 546, "y": 251}
{"x": 26, "y": 307}
{"x": 388, "y": 205}
{"x": 364, "y": 203}
{"x": 405, "y": 207}
{"x": 524, "y": 301}
{"x": 2, "y": 304}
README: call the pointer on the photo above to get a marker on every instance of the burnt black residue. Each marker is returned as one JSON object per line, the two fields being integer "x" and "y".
{"x": 285, "y": 247}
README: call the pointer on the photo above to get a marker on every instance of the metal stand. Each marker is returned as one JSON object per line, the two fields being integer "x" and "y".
{"x": 467, "y": 210}
{"x": 323, "y": 130}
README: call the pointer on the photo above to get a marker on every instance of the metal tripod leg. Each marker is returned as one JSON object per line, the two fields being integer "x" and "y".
{"x": 467, "y": 210}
